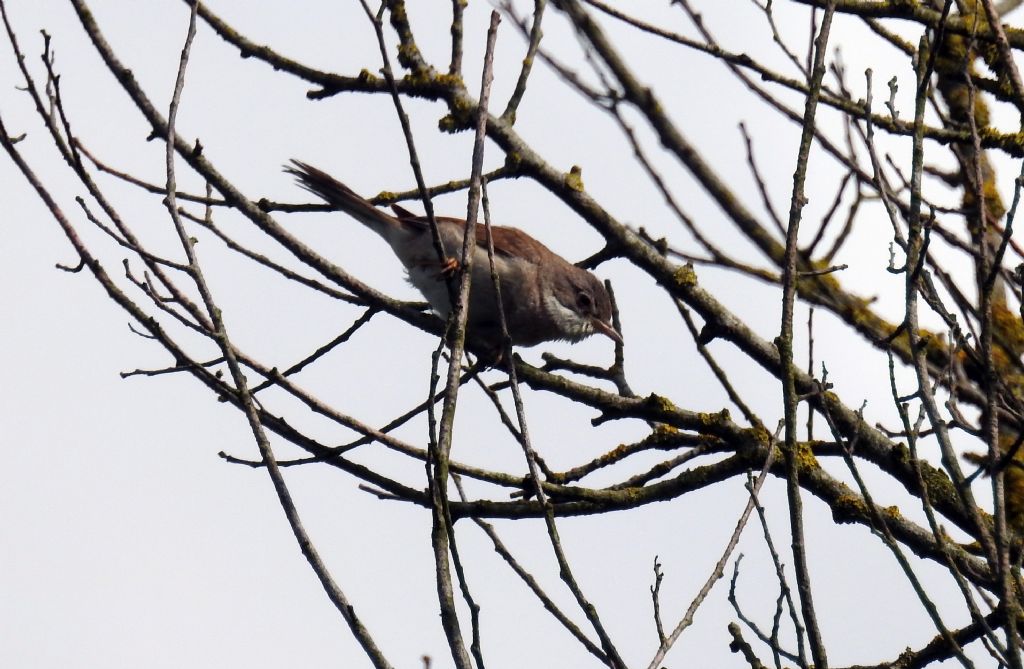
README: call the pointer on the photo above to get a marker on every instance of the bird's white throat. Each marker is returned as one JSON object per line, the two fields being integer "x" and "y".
{"x": 571, "y": 324}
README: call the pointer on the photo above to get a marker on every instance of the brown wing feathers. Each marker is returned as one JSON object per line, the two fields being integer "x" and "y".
{"x": 510, "y": 242}
{"x": 514, "y": 243}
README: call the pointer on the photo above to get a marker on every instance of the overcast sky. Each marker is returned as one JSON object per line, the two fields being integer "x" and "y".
{"x": 127, "y": 541}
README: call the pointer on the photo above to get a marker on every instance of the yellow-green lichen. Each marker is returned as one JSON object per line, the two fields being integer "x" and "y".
{"x": 448, "y": 124}
{"x": 407, "y": 54}
{"x": 574, "y": 179}
{"x": 805, "y": 457}
{"x": 716, "y": 418}
{"x": 1013, "y": 141}
{"x": 685, "y": 276}
{"x": 935, "y": 479}
{"x": 661, "y": 404}
{"x": 367, "y": 77}
{"x": 459, "y": 117}
{"x": 893, "y": 512}
{"x": 450, "y": 81}
{"x": 848, "y": 508}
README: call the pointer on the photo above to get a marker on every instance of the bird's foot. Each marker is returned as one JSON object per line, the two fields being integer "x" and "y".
{"x": 448, "y": 268}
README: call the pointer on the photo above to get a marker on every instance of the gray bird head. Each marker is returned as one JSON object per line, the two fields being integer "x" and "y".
{"x": 579, "y": 303}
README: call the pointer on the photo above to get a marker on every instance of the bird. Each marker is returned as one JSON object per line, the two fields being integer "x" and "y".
{"x": 545, "y": 297}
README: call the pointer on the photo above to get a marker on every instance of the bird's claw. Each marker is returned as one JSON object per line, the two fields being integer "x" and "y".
{"x": 448, "y": 268}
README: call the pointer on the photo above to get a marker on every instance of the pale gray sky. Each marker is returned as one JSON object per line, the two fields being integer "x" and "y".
{"x": 127, "y": 542}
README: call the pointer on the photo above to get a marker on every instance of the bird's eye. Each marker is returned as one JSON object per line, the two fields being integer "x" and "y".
{"x": 584, "y": 301}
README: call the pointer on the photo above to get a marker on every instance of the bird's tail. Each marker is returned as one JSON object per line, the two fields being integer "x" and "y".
{"x": 339, "y": 195}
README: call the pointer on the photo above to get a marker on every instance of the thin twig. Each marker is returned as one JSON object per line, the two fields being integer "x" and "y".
{"x": 719, "y": 568}
{"x": 785, "y": 344}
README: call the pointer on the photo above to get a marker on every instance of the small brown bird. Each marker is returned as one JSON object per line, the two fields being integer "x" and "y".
{"x": 545, "y": 297}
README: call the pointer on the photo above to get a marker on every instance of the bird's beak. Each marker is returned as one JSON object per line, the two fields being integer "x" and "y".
{"x": 606, "y": 329}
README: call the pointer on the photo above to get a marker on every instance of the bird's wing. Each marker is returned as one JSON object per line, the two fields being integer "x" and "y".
{"x": 508, "y": 242}
{"x": 514, "y": 243}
